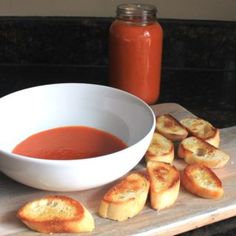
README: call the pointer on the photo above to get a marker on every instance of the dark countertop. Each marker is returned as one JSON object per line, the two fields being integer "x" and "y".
{"x": 198, "y": 71}
{"x": 199, "y": 66}
{"x": 207, "y": 94}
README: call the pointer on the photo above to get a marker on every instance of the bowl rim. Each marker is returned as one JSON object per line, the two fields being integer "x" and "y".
{"x": 63, "y": 162}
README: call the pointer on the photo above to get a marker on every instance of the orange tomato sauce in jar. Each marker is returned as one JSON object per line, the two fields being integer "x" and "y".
{"x": 68, "y": 143}
{"x": 135, "y": 51}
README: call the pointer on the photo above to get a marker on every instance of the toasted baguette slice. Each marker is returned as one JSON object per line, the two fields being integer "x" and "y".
{"x": 56, "y": 214}
{"x": 164, "y": 184}
{"x": 125, "y": 199}
{"x": 161, "y": 149}
{"x": 196, "y": 150}
{"x": 202, "y": 181}
{"x": 171, "y": 128}
{"x": 202, "y": 129}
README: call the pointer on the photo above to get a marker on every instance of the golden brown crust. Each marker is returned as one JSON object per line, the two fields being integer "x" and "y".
{"x": 56, "y": 214}
{"x": 201, "y": 128}
{"x": 164, "y": 184}
{"x": 161, "y": 149}
{"x": 196, "y": 150}
{"x": 125, "y": 199}
{"x": 202, "y": 181}
{"x": 170, "y": 127}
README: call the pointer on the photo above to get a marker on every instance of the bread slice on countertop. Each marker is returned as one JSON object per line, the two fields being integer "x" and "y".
{"x": 202, "y": 181}
{"x": 202, "y": 129}
{"x": 170, "y": 127}
{"x": 56, "y": 214}
{"x": 161, "y": 149}
{"x": 196, "y": 150}
{"x": 164, "y": 184}
{"x": 126, "y": 198}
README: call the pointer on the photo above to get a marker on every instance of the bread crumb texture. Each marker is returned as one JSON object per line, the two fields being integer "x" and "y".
{"x": 56, "y": 214}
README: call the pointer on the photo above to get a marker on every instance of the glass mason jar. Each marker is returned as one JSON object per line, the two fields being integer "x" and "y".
{"x": 135, "y": 51}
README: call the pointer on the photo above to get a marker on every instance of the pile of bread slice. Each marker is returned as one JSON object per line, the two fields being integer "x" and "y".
{"x": 194, "y": 140}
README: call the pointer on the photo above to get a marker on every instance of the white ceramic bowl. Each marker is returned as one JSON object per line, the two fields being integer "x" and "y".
{"x": 39, "y": 108}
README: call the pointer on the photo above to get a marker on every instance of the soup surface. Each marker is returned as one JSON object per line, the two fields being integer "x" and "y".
{"x": 68, "y": 143}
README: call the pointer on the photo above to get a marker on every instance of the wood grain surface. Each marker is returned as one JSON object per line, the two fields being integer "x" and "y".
{"x": 189, "y": 211}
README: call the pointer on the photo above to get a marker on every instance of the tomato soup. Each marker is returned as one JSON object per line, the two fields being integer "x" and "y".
{"x": 68, "y": 143}
{"x": 135, "y": 53}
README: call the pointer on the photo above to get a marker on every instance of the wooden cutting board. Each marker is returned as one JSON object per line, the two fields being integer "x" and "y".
{"x": 189, "y": 211}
